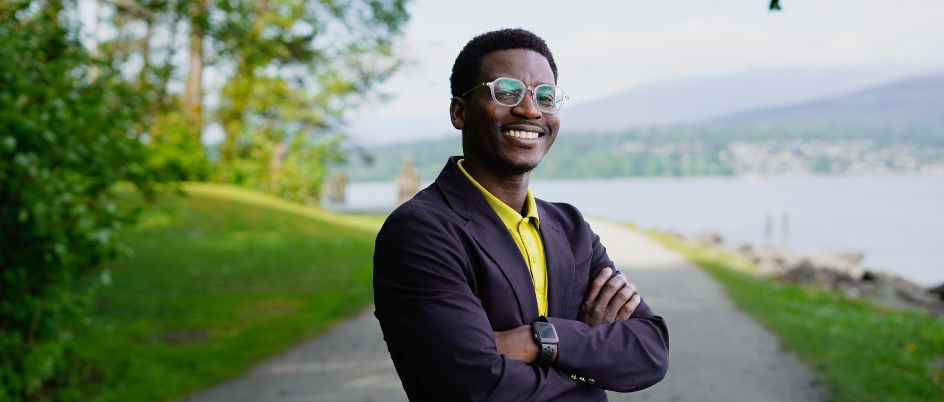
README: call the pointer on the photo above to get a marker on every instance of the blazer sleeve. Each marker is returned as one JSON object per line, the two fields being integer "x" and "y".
{"x": 623, "y": 356}
{"x": 430, "y": 316}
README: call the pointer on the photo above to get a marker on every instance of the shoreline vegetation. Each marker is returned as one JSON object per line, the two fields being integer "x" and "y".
{"x": 694, "y": 152}
{"x": 863, "y": 351}
{"x": 220, "y": 278}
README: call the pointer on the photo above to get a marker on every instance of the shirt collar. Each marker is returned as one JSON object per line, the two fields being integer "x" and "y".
{"x": 509, "y": 216}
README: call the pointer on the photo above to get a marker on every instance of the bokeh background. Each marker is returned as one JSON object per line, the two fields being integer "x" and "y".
{"x": 171, "y": 169}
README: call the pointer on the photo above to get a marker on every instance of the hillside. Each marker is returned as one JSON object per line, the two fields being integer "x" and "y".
{"x": 218, "y": 280}
{"x": 914, "y": 101}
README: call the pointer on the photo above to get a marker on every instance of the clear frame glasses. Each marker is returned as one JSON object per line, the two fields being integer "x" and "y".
{"x": 510, "y": 92}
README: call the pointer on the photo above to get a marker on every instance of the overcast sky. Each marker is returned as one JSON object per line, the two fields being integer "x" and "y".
{"x": 602, "y": 47}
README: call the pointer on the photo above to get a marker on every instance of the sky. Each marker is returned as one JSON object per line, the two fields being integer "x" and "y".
{"x": 603, "y": 47}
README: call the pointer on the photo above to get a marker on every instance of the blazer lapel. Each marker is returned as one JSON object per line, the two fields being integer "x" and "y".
{"x": 490, "y": 233}
{"x": 560, "y": 266}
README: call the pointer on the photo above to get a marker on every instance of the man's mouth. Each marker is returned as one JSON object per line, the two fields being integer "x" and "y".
{"x": 527, "y": 135}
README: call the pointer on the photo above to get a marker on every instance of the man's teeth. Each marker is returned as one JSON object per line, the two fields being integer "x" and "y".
{"x": 522, "y": 134}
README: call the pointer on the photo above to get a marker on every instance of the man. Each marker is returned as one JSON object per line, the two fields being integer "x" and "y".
{"x": 486, "y": 293}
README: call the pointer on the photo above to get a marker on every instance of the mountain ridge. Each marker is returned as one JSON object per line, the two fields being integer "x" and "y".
{"x": 914, "y": 100}
{"x": 668, "y": 103}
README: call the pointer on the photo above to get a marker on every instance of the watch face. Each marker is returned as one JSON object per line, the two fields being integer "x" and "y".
{"x": 546, "y": 331}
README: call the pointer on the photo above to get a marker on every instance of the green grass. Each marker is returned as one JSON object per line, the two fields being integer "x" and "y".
{"x": 863, "y": 351}
{"x": 219, "y": 279}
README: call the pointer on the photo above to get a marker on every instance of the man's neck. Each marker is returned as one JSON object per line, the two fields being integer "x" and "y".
{"x": 511, "y": 189}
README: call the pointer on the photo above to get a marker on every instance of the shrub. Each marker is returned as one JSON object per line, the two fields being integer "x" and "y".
{"x": 66, "y": 138}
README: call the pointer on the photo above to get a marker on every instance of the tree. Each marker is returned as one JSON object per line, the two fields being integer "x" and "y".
{"x": 291, "y": 66}
{"x": 298, "y": 64}
{"x": 144, "y": 45}
{"x": 67, "y": 136}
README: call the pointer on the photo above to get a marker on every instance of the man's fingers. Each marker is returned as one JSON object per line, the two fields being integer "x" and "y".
{"x": 609, "y": 295}
{"x": 619, "y": 299}
{"x": 596, "y": 285}
{"x": 609, "y": 290}
{"x": 629, "y": 308}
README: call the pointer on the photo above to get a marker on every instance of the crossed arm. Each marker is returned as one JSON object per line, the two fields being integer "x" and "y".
{"x": 441, "y": 339}
{"x": 609, "y": 298}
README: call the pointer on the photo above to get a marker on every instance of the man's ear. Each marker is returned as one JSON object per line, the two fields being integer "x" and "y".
{"x": 457, "y": 112}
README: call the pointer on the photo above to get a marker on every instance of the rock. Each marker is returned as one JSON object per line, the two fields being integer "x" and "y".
{"x": 847, "y": 263}
{"x": 806, "y": 273}
{"x": 709, "y": 239}
{"x": 922, "y": 298}
{"x": 939, "y": 291}
{"x": 828, "y": 270}
{"x": 768, "y": 268}
{"x": 895, "y": 290}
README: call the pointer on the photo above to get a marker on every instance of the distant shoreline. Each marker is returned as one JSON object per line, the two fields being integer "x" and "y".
{"x": 892, "y": 219}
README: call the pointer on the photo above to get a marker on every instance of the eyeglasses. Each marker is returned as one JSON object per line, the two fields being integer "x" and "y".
{"x": 510, "y": 92}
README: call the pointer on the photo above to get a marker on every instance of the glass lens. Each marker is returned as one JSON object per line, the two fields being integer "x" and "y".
{"x": 508, "y": 92}
{"x": 548, "y": 98}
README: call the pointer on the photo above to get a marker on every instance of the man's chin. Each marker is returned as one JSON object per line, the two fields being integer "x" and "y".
{"x": 523, "y": 167}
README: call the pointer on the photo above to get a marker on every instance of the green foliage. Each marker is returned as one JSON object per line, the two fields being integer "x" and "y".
{"x": 383, "y": 163}
{"x": 866, "y": 352}
{"x": 66, "y": 137}
{"x": 290, "y": 85}
{"x": 221, "y": 278}
{"x": 291, "y": 68}
{"x": 174, "y": 152}
{"x": 73, "y": 123}
{"x": 278, "y": 149}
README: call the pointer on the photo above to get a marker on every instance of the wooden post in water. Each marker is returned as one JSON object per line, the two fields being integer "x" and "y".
{"x": 785, "y": 229}
{"x": 336, "y": 187}
{"x": 769, "y": 229}
{"x": 408, "y": 181}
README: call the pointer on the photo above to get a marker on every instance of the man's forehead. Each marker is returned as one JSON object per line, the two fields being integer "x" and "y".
{"x": 518, "y": 62}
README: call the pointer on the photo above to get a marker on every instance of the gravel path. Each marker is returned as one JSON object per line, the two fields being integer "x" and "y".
{"x": 717, "y": 352}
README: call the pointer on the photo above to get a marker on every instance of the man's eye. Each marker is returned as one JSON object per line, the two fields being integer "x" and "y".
{"x": 506, "y": 95}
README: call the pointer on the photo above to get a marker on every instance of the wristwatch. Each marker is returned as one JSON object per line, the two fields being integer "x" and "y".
{"x": 546, "y": 337}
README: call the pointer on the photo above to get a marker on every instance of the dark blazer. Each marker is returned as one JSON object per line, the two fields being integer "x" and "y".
{"x": 447, "y": 273}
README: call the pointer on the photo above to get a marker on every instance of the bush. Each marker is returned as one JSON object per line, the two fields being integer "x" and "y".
{"x": 174, "y": 150}
{"x": 66, "y": 138}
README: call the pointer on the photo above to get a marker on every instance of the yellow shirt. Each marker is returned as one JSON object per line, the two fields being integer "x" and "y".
{"x": 526, "y": 232}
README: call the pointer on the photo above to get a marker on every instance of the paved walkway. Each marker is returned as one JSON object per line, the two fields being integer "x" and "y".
{"x": 717, "y": 352}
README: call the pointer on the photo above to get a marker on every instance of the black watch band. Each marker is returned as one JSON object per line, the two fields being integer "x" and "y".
{"x": 546, "y": 355}
{"x": 545, "y": 335}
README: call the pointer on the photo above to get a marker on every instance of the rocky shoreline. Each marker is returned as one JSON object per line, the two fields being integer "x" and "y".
{"x": 829, "y": 270}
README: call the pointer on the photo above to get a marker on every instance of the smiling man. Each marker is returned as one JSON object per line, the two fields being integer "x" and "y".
{"x": 484, "y": 292}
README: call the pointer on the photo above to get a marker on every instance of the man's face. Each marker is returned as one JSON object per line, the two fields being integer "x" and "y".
{"x": 492, "y": 134}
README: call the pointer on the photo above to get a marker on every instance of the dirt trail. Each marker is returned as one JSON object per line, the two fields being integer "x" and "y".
{"x": 717, "y": 352}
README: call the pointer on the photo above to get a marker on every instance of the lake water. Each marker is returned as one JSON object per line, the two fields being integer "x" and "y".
{"x": 897, "y": 221}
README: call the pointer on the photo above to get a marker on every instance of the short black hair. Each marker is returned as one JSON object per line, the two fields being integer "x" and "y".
{"x": 468, "y": 64}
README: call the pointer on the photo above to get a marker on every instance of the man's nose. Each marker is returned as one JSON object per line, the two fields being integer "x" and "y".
{"x": 526, "y": 108}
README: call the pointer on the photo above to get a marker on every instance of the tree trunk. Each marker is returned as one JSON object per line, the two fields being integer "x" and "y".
{"x": 193, "y": 98}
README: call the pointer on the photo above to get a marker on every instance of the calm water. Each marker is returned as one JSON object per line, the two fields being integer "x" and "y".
{"x": 898, "y": 222}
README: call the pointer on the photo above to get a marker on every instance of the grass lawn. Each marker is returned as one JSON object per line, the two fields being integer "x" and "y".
{"x": 864, "y": 352}
{"x": 219, "y": 279}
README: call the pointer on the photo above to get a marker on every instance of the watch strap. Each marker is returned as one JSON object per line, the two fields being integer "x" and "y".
{"x": 546, "y": 355}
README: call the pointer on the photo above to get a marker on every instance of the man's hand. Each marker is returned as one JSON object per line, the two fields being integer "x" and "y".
{"x": 608, "y": 299}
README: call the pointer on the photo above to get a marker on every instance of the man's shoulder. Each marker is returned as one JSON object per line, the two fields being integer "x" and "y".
{"x": 568, "y": 216}
{"x": 428, "y": 206}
